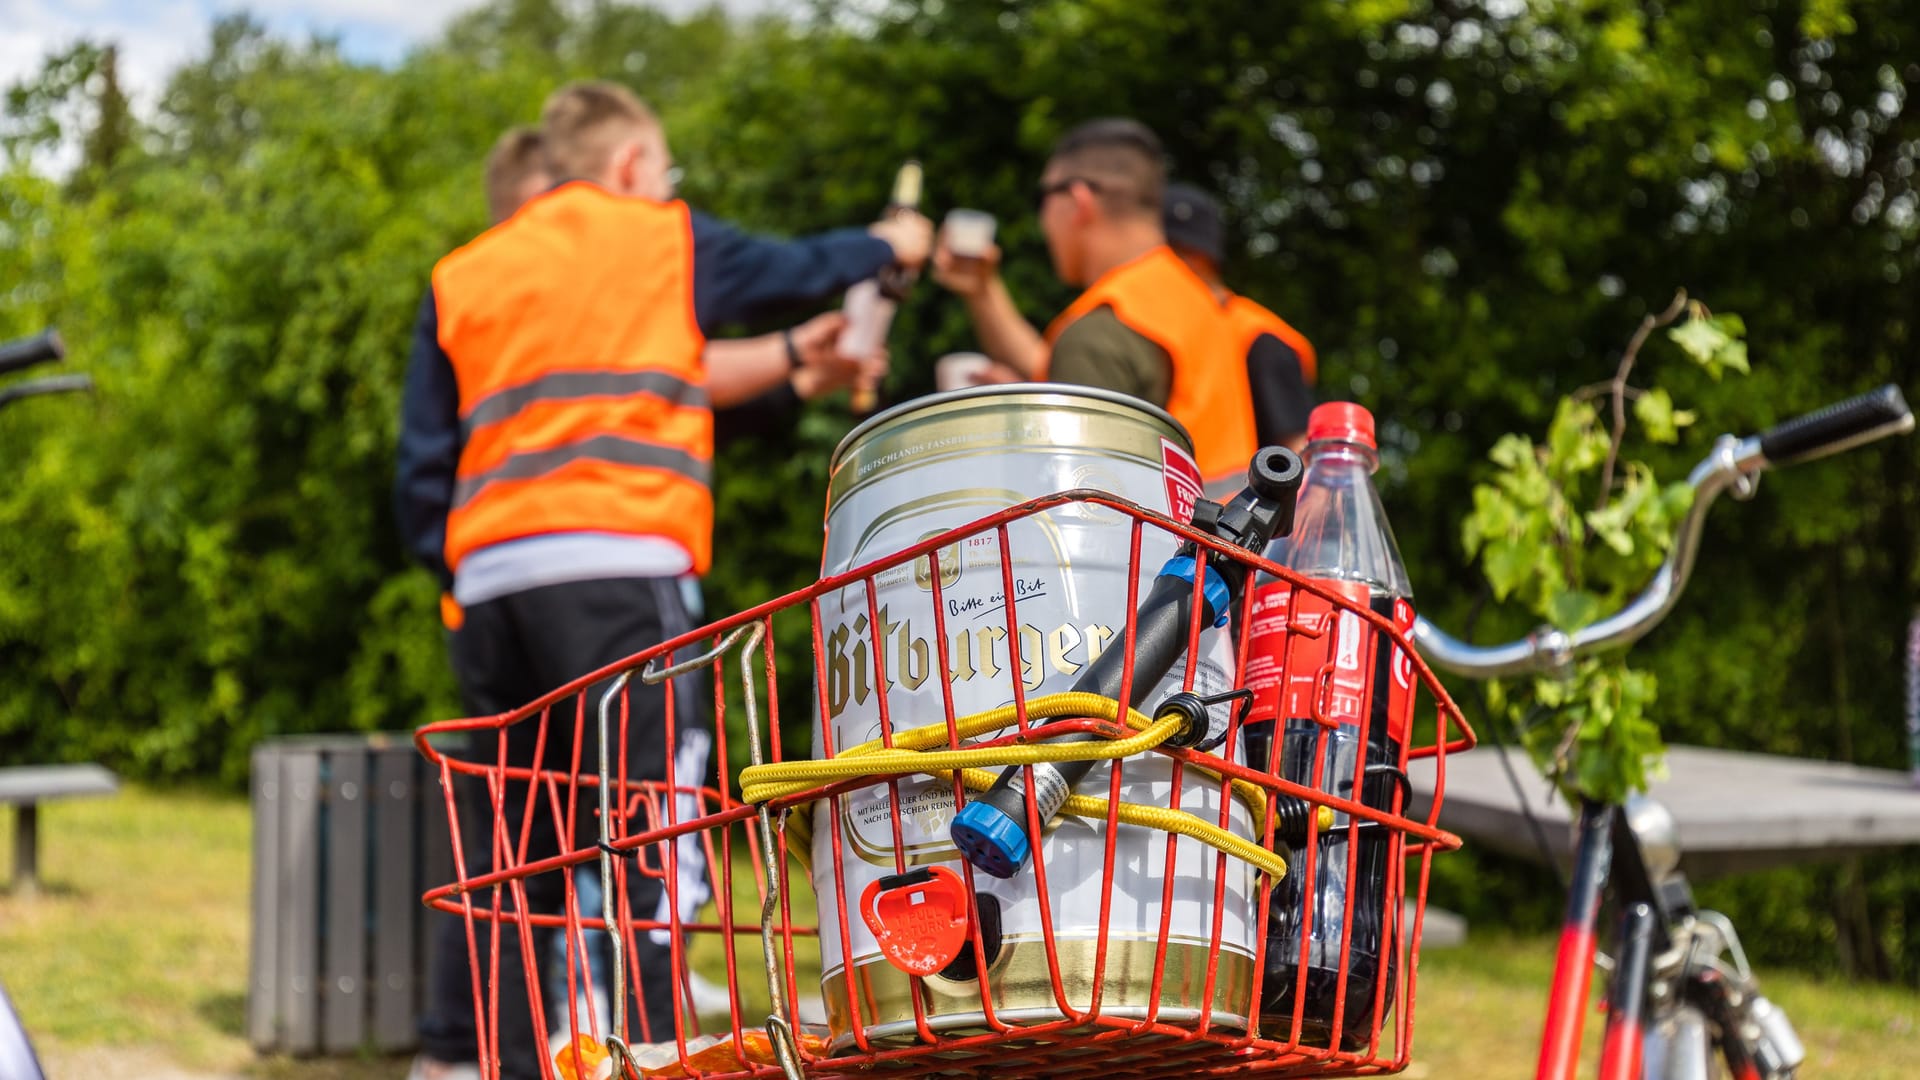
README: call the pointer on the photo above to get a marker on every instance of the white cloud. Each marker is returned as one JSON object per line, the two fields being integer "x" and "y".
{"x": 156, "y": 36}
{"x": 414, "y": 20}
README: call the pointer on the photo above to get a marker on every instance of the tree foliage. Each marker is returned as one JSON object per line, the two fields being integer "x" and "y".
{"x": 1539, "y": 544}
{"x": 1461, "y": 201}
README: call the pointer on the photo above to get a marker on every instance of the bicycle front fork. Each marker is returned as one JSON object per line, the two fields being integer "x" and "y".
{"x": 1620, "y": 1054}
{"x": 1573, "y": 968}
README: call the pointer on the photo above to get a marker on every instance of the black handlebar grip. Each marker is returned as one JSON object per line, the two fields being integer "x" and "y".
{"x": 28, "y": 351}
{"x": 57, "y": 384}
{"x": 1837, "y": 427}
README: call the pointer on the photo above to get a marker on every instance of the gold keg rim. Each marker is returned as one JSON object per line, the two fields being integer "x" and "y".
{"x": 1038, "y": 393}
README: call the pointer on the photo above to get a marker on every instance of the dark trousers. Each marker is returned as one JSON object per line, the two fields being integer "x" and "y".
{"x": 508, "y": 652}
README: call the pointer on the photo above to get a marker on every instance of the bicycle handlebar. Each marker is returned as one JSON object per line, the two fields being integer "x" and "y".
{"x": 57, "y": 384}
{"x": 25, "y": 352}
{"x": 1734, "y": 463}
{"x": 1838, "y": 427}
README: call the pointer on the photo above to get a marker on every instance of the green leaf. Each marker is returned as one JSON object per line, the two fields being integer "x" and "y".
{"x": 1733, "y": 355}
{"x": 1508, "y": 564}
{"x": 1552, "y": 693}
{"x": 1714, "y": 343}
{"x": 1615, "y": 523}
{"x": 1575, "y": 442}
{"x": 1529, "y": 488}
{"x": 1656, "y": 414}
{"x": 1826, "y": 19}
{"x": 1676, "y": 498}
{"x": 1493, "y": 516}
{"x": 1701, "y": 338}
{"x": 1610, "y": 525}
{"x": 1573, "y": 610}
{"x": 1512, "y": 452}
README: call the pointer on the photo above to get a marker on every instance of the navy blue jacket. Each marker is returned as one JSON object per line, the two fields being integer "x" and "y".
{"x": 737, "y": 278}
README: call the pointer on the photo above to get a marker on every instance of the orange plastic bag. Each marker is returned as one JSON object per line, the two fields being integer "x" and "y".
{"x": 705, "y": 1055}
{"x": 723, "y": 1056}
{"x": 594, "y": 1062}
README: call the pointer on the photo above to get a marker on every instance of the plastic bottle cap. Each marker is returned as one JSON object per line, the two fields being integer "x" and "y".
{"x": 1341, "y": 420}
{"x": 991, "y": 841}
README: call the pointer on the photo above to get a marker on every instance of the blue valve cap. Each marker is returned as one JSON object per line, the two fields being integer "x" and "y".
{"x": 1213, "y": 588}
{"x": 993, "y": 842}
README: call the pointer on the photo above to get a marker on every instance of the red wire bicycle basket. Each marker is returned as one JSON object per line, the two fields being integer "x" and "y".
{"x": 1122, "y": 949}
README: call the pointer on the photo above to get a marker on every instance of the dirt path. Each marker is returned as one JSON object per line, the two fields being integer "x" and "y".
{"x": 124, "y": 1063}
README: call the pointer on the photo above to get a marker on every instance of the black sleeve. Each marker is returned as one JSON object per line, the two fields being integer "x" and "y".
{"x": 739, "y": 277}
{"x": 430, "y": 445}
{"x": 1281, "y": 399}
{"x": 770, "y": 411}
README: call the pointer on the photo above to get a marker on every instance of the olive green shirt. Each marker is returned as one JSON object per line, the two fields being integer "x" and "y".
{"x": 1098, "y": 349}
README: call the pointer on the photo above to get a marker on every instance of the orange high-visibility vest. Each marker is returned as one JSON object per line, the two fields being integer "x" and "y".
{"x": 1159, "y": 298}
{"x": 1250, "y": 320}
{"x": 583, "y": 399}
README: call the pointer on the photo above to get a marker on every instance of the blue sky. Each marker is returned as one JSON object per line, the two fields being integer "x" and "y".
{"x": 156, "y": 35}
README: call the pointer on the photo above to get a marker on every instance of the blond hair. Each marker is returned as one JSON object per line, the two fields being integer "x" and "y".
{"x": 583, "y": 123}
{"x": 518, "y": 155}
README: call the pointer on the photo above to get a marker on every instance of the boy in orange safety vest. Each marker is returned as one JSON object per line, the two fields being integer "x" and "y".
{"x": 555, "y": 462}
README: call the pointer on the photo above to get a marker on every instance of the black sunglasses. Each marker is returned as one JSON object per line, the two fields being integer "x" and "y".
{"x": 1048, "y": 191}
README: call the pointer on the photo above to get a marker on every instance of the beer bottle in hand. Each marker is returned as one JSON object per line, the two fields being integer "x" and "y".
{"x": 870, "y": 305}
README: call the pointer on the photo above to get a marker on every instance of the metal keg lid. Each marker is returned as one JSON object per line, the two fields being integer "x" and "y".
{"x": 1037, "y": 393}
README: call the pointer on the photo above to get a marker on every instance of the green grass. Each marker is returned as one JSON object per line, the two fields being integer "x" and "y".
{"x": 133, "y": 959}
{"x": 1479, "y": 1010}
{"x": 133, "y": 963}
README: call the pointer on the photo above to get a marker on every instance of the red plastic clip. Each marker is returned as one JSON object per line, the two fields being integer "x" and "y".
{"x": 919, "y": 918}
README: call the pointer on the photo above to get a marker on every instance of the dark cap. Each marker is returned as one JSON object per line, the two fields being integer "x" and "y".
{"x": 1193, "y": 222}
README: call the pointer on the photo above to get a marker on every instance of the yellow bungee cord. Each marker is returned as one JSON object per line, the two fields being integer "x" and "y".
{"x": 925, "y": 750}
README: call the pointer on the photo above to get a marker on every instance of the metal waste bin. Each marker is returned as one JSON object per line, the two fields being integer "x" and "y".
{"x": 348, "y": 831}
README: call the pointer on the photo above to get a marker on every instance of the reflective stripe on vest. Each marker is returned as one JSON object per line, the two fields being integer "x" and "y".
{"x": 1159, "y": 298}
{"x": 613, "y": 449}
{"x": 563, "y": 385}
{"x": 583, "y": 399}
{"x": 1250, "y": 320}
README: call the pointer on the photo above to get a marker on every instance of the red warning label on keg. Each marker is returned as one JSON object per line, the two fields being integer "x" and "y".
{"x": 1183, "y": 481}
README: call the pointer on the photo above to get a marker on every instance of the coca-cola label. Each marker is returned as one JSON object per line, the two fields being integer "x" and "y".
{"x": 1309, "y": 658}
{"x": 1183, "y": 481}
{"x": 1267, "y": 648}
{"x": 1400, "y": 695}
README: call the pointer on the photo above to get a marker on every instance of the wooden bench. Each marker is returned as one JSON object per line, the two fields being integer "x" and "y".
{"x": 26, "y": 787}
{"x": 1737, "y": 812}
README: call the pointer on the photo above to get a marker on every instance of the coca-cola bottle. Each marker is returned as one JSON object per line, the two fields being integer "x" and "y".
{"x": 1333, "y": 685}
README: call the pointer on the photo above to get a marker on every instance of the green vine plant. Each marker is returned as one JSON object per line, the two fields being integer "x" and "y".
{"x": 1571, "y": 531}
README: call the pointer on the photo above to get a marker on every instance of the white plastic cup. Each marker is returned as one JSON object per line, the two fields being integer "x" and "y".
{"x": 957, "y": 371}
{"x": 969, "y": 233}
